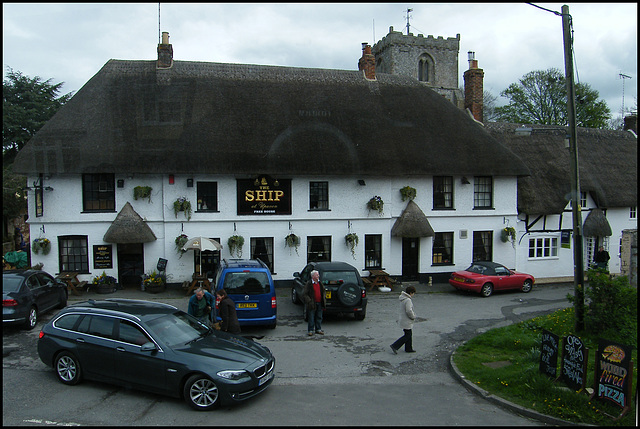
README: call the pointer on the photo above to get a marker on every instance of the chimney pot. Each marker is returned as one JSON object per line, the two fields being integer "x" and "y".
{"x": 165, "y": 38}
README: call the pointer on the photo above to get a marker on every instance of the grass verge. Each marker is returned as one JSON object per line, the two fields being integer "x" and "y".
{"x": 520, "y": 381}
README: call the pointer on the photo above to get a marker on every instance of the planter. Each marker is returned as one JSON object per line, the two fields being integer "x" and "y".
{"x": 142, "y": 192}
{"x": 154, "y": 288}
{"x": 104, "y": 288}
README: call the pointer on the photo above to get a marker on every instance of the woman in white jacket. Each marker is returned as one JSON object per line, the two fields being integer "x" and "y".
{"x": 405, "y": 320}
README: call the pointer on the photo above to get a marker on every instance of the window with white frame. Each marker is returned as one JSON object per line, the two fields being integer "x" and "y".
{"x": 483, "y": 192}
{"x": 543, "y": 247}
{"x": 632, "y": 212}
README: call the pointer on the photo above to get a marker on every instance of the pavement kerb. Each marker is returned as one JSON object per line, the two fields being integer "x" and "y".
{"x": 455, "y": 372}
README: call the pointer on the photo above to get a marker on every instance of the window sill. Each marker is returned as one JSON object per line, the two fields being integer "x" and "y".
{"x": 319, "y": 210}
{"x": 207, "y": 211}
{"x": 484, "y": 208}
{"x": 96, "y": 211}
{"x": 451, "y": 209}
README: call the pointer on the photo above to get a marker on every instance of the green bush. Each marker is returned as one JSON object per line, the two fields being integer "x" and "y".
{"x": 612, "y": 310}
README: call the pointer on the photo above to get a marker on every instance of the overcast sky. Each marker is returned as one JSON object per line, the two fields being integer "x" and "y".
{"x": 71, "y": 42}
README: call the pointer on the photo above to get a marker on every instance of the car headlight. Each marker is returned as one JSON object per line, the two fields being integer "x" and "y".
{"x": 233, "y": 375}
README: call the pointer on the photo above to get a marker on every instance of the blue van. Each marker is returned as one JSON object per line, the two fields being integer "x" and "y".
{"x": 249, "y": 284}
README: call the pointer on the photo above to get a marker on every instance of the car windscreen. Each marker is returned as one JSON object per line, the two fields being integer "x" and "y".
{"x": 11, "y": 284}
{"x": 246, "y": 282}
{"x": 333, "y": 277}
{"x": 176, "y": 329}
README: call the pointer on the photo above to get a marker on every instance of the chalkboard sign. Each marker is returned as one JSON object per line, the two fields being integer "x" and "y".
{"x": 613, "y": 374}
{"x": 574, "y": 362}
{"x": 549, "y": 354}
{"x": 162, "y": 264}
{"x": 102, "y": 256}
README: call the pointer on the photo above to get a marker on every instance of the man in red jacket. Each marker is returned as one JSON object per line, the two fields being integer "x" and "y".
{"x": 315, "y": 300}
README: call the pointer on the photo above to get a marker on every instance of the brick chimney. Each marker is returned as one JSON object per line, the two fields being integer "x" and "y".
{"x": 165, "y": 52}
{"x": 473, "y": 88}
{"x": 368, "y": 62}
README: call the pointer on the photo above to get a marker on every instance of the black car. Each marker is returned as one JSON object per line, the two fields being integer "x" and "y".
{"x": 154, "y": 347}
{"x": 28, "y": 293}
{"x": 345, "y": 291}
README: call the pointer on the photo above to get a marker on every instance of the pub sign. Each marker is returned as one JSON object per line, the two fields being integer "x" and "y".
{"x": 264, "y": 195}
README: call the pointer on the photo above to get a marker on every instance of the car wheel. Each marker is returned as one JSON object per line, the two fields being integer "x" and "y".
{"x": 360, "y": 315}
{"x": 32, "y": 319}
{"x": 201, "y": 393}
{"x": 349, "y": 294}
{"x": 68, "y": 369}
{"x": 294, "y": 296}
{"x": 65, "y": 297}
{"x": 527, "y": 286}
{"x": 487, "y": 290}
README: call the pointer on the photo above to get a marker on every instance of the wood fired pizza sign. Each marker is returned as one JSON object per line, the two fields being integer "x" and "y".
{"x": 613, "y": 373}
{"x": 264, "y": 196}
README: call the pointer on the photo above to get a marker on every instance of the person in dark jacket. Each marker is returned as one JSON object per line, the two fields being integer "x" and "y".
{"x": 602, "y": 259}
{"x": 315, "y": 300}
{"x": 227, "y": 312}
{"x": 201, "y": 306}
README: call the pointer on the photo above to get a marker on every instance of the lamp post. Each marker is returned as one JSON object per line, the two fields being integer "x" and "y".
{"x": 578, "y": 280}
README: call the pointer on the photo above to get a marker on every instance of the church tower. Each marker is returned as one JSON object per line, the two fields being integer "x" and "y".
{"x": 432, "y": 61}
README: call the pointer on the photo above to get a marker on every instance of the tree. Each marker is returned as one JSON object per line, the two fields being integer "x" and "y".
{"x": 540, "y": 97}
{"x": 27, "y": 103}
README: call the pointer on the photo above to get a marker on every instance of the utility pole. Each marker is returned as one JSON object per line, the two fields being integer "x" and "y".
{"x": 578, "y": 279}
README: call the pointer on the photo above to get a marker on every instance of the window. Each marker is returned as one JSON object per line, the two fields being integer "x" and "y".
{"x": 482, "y": 245}
{"x": 318, "y": 249}
{"x": 543, "y": 247}
{"x": 207, "y": 196}
{"x": 130, "y": 333}
{"x": 442, "y": 248}
{"x": 39, "y": 197}
{"x": 100, "y": 326}
{"x": 73, "y": 253}
{"x": 425, "y": 69}
{"x": 98, "y": 192}
{"x": 67, "y": 321}
{"x": 373, "y": 251}
{"x": 318, "y": 195}
{"x": 443, "y": 192}
{"x": 262, "y": 248}
{"x": 632, "y": 212}
{"x": 483, "y": 192}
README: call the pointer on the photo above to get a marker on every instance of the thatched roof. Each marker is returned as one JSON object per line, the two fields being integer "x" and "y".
{"x": 412, "y": 223}
{"x": 129, "y": 227}
{"x": 608, "y": 166}
{"x": 596, "y": 225}
{"x": 244, "y": 120}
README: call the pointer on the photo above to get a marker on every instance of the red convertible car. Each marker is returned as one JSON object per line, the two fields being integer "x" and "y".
{"x": 484, "y": 277}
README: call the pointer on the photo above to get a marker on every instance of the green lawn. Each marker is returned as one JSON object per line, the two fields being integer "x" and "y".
{"x": 514, "y": 354}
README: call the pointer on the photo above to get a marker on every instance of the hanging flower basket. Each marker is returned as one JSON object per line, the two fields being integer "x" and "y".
{"x": 508, "y": 234}
{"x": 41, "y": 245}
{"x": 153, "y": 282}
{"x": 351, "y": 240}
{"x": 292, "y": 240}
{"x": 408, "y": 193}
{"x": 142, "y": 192}
{"x": 235, "y": 243}
{"x": 182, "y": 205}
{"x": 376, "y": 203}
{"x": 181, "y": 240}
{"x": 104, "y": 283}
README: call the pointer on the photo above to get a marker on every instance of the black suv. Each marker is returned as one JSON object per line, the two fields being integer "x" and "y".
{"x": 344, "y": 288}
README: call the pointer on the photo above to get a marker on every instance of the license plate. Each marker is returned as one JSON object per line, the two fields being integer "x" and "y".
{"x": 247, "y": 305}
{"x": 266, "y": 378}
{"x": 328, "y": 294}
{"x": 458, "y": 279}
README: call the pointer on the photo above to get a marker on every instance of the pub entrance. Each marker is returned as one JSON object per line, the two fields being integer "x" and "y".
{"x": 130, "y": 264}
{"x": 410, "y": 258}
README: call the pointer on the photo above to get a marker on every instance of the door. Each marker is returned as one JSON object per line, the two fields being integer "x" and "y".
{"x": 410, "y": 257}
{"x": 130, "y": 264}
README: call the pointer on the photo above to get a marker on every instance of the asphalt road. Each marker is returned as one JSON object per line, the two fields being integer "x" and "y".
{"x": 347, "y": 377}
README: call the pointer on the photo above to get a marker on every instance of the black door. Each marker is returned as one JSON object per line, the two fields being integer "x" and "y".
{"x": 130, "y": 264}
{"x": 410, "y": 253}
